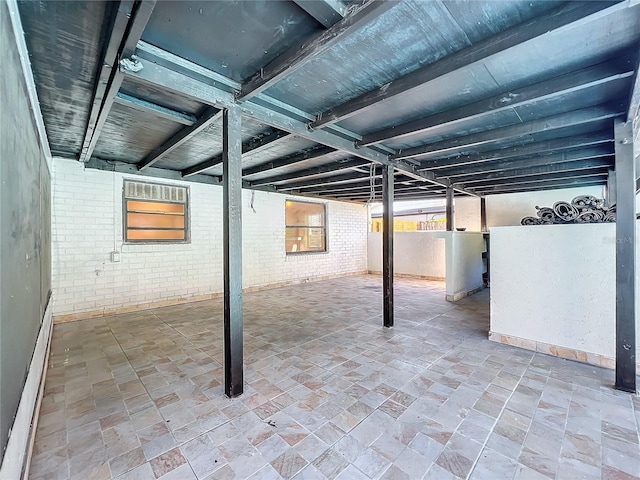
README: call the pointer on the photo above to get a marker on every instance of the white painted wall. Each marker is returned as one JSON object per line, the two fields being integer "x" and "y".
{"x": 414, "y": 253}
{"x": 467, "y": 213}
{"x": 87, "y": 226}
{"x": 508, "y": 209}
{"x": 464, "y": 262}
{"x": 556, "y": 285}
{"x": 456, "y": 256}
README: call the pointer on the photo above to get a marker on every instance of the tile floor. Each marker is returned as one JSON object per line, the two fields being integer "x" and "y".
{"x": 329, "y": 394}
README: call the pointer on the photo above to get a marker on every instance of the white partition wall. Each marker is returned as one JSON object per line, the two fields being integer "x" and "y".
{"x": 452, "y": 256}
{"x": 420, "y": 254}
{"x": 553, "y": 290}
{"x": 464, "y": 264}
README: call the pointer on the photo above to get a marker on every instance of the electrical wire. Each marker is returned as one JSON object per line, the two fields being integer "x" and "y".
{"x": 253, "y": 196}
{"x": 372, "y": 184}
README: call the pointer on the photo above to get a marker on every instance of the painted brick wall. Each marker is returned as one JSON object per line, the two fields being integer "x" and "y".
{"x": 87, "y": 226}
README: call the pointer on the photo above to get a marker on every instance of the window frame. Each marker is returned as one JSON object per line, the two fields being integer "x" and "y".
{"x": 324, "y": 228}
{"x": 187, "y": 216}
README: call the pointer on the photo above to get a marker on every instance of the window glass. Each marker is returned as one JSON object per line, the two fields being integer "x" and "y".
{"x": 305, "y": 227}
{"x": 154, "y": 213}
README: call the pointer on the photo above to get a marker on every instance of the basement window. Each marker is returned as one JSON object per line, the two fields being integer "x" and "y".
{"x": 305, "y": 227}
{"x": 155, "y": 213}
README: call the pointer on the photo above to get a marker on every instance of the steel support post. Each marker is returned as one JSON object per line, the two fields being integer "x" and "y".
{"x": 483, "y": 214}
{"x": 625, "y": 258}
{"x": 232, "y": 220}
{"x": 449, "y": 209}
{"x": 387, "y": 245}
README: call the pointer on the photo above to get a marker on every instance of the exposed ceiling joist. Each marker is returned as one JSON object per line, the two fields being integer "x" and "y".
{"x": 156, "y": 110}
{"x": 309, "y": 154}
{"x": 327, "y": 12}
{"x": 570, "y": 83}
{"x": 557, "y": 144}
{"x": 366, "y": 180}
{"x": 156, "y": 55}
{"x": 252, "y": 145}
{"x": 129, "y": 23}
{"x": 298, "y": 55}
{"x": 495, "y": 136}
{"x": 130, "y": 168}
{"x": 417, "y": 195}
{"x": 543, "y": 178}
{"x": 546, "y": 24}
{"x": 534, "y": 187}
{"x": 175, "y": 81}
{"x": 566, "y": 167}
{"x": 334, "y": 180}
{"x": 634, "y": 93}
{"x": 167, "y": 174}
{"x": 343, "y": 188}
{"x": 311, "y": 172}
{"x": 554, "y": 158}
{"x": 378, "y": 191}
{"x": 208, "y": 118}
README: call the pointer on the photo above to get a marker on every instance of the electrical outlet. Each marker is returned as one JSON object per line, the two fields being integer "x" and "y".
{"x": 115, "y": 256}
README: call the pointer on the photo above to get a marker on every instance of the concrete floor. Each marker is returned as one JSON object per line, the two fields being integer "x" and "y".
{"x": 329, "y": 394}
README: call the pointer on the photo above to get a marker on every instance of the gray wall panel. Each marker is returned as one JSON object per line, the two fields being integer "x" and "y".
{"x": 25, "y": 246}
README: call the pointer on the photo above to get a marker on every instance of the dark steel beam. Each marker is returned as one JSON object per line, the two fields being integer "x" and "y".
{"x": 449, "y": 209}
{"x": 315, "y": 182}
{"x": 209, "y": 117}
{"x": 625, "y": 258}
{"x": 572, "y": 13}
{"x": 634, "y": 91}
{"x": 558, "y": 144}
{"x": 545, "y": 177}
{"x": 150, "y": 53}
{"x": 610, "y": 188}
{"x": 327, "y": 12}
{"x": 129, "y": 23}
{"x": 545, "y": 91}
{"x": 377, "y": 185}
{"x": 256, "y": 143}
{"x": 132, "y": 169}
{"x": 562, "y": 157}
{"x": 554, "y": 184}
{"x": 362, "y": 185}
{"x": 108, "y": 65}
{"x": 309, "y": 154}
{"x": 263, "y": 109}
{"x": 378, "y": 191}
{"x": 387, "y": 246}
{"x": 156, "y": 110}
{"x": 365, "y": 183}
{"x": 538, "y": 188}
{"x": 311, "y": 172}
{"x": 483, "y": 214}
{"x": 232, "y": 226}
{"x": 495, "y": 136}
{"x": 411, "y": 196}
{"x": 602, "y": 163}
{"x": 298, "y": 55}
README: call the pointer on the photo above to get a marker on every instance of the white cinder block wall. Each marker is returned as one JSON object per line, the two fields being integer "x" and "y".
{"x": 87, "y": 226}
